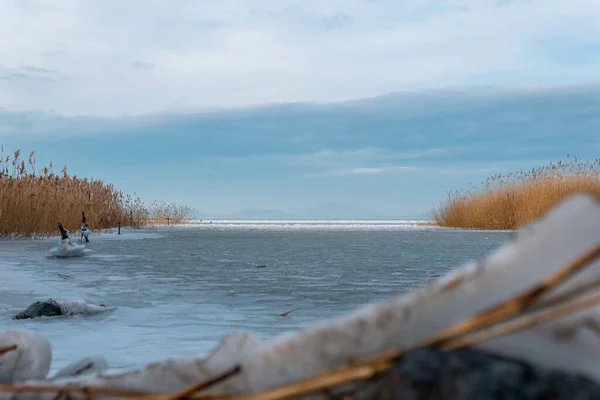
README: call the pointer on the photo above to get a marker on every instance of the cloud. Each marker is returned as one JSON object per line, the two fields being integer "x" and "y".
{"x": 374, "y": 170}
{"x": 247, "y": 53}
{"x": 53, "y": 53}
{"x": 376, "y": 160}
{"x": 395, "y": 154}
{"x": 444, "y": 168}
{"x": 143, "y": 65}
{"x": 449, "y": 170}
{"x": 337, "y": 21}
{"x": 28, "y": 73}
{"x": 354, "y": 172}
{"x": 380, "y": 170}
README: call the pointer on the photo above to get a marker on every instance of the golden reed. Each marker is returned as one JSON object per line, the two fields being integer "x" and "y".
{"x": 508, "y": 201}
{"x": 32, "y": 202}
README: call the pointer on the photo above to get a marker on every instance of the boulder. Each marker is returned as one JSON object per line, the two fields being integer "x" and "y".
{"x": 40, "y": 309}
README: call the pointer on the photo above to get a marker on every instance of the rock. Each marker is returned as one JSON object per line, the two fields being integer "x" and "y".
{"x": 469, "y": 374}
{"x": 40, "y": 309}
{"x": 53, "y": 307}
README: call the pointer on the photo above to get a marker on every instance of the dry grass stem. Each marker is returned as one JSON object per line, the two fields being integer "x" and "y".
{"x": 209, "y": 396}
{"x": 205, "y": 384}
{"x": 566, "y": 295}
{"x": 514, "y": 305}
{"x": 522, "y": 322}
{"x": 359, "y": 371}
{"x": 99, "y": 390}
{"x": 509, "y": 201}
{"x": 6, "y": 349}
{"x": 285, "y": 314}
{"x": 193, "y": 396}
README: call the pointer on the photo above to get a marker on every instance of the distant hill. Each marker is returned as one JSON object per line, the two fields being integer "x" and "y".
{"x": 325, "y": 211}
{"x": 257, "y": 213}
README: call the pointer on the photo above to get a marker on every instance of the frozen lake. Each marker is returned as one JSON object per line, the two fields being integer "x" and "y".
{"x": 179, "y": 290}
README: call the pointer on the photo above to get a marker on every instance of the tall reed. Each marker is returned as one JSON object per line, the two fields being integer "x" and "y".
{"x": 161, "y": 212}
{"x": 32, "y": 202}
{"x": 508, "y": 201}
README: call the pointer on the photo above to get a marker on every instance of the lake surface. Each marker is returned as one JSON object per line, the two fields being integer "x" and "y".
{"x": 179, "y": 290}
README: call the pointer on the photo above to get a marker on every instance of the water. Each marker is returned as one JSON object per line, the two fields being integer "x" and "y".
{"x": 179, "y": 290}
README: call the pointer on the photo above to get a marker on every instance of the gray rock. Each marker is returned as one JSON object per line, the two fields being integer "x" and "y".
{"x": 40, "y": 309}
{"x": 469, "y": 374}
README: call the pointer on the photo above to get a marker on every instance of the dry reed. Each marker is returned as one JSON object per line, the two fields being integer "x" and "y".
{"x": 160, "y": 212}
{"x": 32, "y": 202}
{"x": 508, "y": 201}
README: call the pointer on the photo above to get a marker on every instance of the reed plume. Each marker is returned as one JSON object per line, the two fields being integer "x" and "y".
{"x": 508, "y": 201}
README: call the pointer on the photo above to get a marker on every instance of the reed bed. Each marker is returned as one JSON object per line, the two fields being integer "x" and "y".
{"x": 508, "y": 201}
{"x": 33, "y": 201}
{"x": 160, "y": 212}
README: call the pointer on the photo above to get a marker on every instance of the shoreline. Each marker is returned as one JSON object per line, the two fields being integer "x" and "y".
{"x": 300, "y": 224}
{"x": 42, "y": 236}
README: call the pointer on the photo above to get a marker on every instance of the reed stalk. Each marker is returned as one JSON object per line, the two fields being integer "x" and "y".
{"x": 509, "y": 201}
{"x": 32, "y": 201}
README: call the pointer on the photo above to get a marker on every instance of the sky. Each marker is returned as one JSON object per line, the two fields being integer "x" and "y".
{"x": 355, "y": 108}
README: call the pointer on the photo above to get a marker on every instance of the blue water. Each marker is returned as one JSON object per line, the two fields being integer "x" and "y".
{"x": 179, "y": 290}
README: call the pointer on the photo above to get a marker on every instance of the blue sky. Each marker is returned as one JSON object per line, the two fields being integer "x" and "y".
{"x": 367, "y": 108}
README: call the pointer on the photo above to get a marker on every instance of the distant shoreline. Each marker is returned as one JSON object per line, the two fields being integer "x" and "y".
{"x": 304, "y": 220}
{"x": 249, "y": 223}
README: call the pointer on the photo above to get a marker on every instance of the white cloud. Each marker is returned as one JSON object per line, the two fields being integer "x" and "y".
{"x": 379, "y": 170}
{"x": 349, "y": 172}
{"x": 453, "y": 168}
{"x": 377, "y": 155}
{"x": 192, "y": 53}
